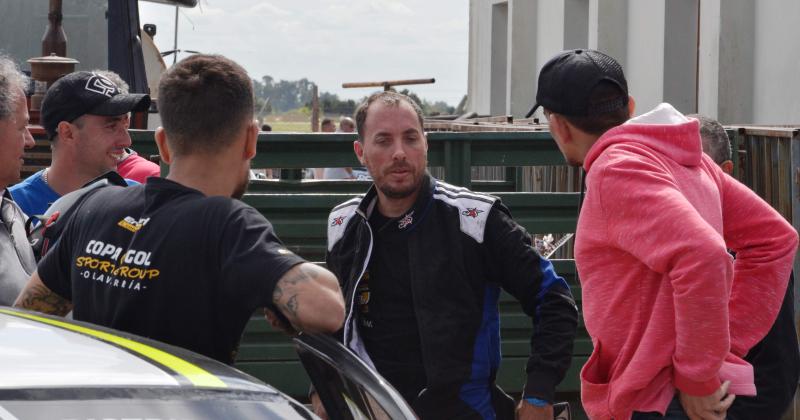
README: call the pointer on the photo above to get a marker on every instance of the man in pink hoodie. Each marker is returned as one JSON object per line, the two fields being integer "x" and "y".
{"x": 670, "y": 313}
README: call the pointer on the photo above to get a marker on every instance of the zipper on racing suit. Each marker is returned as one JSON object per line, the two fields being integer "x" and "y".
{"x": 348, "y": 329}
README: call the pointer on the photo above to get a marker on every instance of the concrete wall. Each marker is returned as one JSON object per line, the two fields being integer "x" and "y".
{"x": 726, "y": 60}
{"x": 522, "y": 54}
{"x": 645, "y": 53}
{"x": 479, "y": 72}
{"x": 776, "y": 91}
{"x": 532, "y": 37}
{"x": 680, "y": 54}
{"x": 499, "y": 59}
{"x": 736, "y": 60}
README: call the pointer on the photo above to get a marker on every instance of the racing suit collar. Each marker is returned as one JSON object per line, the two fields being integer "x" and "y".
{"x": 411, "y": 217}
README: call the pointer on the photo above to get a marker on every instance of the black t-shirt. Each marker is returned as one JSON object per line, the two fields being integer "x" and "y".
{"x": 386, "y": 319}
{"x": 776, "y": 364}
{"x": 166, "y": 262}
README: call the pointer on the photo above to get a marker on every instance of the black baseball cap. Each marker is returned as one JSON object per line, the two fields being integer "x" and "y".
{"x": 568, "y": 79}
{"x": 84, "y": 92}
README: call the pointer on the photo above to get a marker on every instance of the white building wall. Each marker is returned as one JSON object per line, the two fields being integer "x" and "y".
{"x": 709, "y": 58}
{"x": 736, "y": 60}
{"x": 550, "y": 30}
{"x": 776, "y": 91}
{"x": 645, "y": 53}
{"x": 727, "y": 46}
{"x": 522, "y": 48}
{"x": 479, "y": 72}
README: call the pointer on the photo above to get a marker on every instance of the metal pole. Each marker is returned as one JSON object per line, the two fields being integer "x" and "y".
{"x": 314, "y": 109}
{"x": 175, "y": 44}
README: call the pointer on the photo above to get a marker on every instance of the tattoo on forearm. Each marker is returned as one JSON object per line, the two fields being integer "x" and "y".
{"x": 291, "y": 305}
{"x": 286, "y": 292}
{"x": 277, "y": 293}
{"x": 40, "y": 298}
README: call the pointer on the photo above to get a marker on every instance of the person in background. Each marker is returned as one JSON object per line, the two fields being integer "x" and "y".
{"x": 17, "y": 261}
{"x": 328, "y": 126}
{"x": 347, "y": 125}
{"x": 86, "y": 118}
{"x": 776, "y": 358}
{"x": 669, "y": 312}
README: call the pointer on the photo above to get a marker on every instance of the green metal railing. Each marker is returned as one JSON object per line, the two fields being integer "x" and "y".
{"x": 457, "y": 153}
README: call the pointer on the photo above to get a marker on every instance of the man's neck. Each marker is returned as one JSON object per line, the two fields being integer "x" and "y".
{"x": 205, "y": 175}
{"x": 396, "y": 207}
{"x": 64, "y": 180}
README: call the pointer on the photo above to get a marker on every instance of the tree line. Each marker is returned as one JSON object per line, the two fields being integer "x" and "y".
{"x": 285, "y": 95}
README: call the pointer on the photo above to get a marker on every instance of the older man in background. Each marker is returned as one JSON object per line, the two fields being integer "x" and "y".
{"x": 776, "y": 358}
{"x": 16, "y": 257}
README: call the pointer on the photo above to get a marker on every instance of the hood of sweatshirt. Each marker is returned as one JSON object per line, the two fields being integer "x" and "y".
{"x": 664, "y": 130}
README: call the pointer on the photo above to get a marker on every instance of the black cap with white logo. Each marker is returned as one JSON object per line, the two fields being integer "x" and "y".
{"x": 84, "y": 92}
{"x": 566, "y": 83}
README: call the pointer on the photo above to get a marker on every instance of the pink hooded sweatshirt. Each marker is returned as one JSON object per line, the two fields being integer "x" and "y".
{"x": 665, "y": 304}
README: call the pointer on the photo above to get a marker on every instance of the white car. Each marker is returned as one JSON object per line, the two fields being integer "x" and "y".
{"x": 53, "y": 368}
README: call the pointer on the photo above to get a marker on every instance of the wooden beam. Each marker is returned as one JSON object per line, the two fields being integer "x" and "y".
{"x": 387, "y": 84}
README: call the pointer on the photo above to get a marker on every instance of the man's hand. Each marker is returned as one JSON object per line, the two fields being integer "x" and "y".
{"x": 528, "y": 411}
{"x": 278, "y": 324}
{"x": 710, "y": 407}
{"x": 317, "y": 407}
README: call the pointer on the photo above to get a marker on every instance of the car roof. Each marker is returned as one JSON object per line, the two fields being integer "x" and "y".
{"x": 43, "y": 352}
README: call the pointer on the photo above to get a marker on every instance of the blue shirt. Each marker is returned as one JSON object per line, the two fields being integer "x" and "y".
{"x": 34, "y": 196}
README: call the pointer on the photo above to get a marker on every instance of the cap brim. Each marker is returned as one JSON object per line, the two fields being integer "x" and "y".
{"x": 535, "y": 106}
{"x": 122, "y": 104}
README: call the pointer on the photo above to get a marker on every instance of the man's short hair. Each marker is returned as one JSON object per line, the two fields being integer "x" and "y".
{"x": 387, "y": 98}
{"x": 12, "y": 81}
{"x": 326, "y": 121}
{"x": 204, "y": 102}
{"x": 122, "y": 85}
{"x": 716, "y": 143}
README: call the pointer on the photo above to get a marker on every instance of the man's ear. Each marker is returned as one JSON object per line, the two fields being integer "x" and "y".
{"x": 251, "y": 143}
{"x": 631, "y": 106}
{"x": 727, "y": 167}
{"x": 358, "y": 147}
{"x": 560, "y": 128}
{"x": 163, "y": 146}
{"x": 66, "y": 132}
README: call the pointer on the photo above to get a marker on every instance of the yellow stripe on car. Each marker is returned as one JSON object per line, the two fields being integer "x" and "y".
{"x": 196, "y": 375}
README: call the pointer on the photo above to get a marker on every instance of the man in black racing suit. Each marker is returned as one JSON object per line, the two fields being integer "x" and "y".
{"x": 422, "y": 262}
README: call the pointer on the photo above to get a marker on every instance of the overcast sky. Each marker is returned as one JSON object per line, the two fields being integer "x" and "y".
{"x": 329, "y": 41}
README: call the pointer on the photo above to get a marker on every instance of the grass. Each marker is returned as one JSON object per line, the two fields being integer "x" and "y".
{"x": 290, "y": 126}
{"x": 295, "y": 121}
